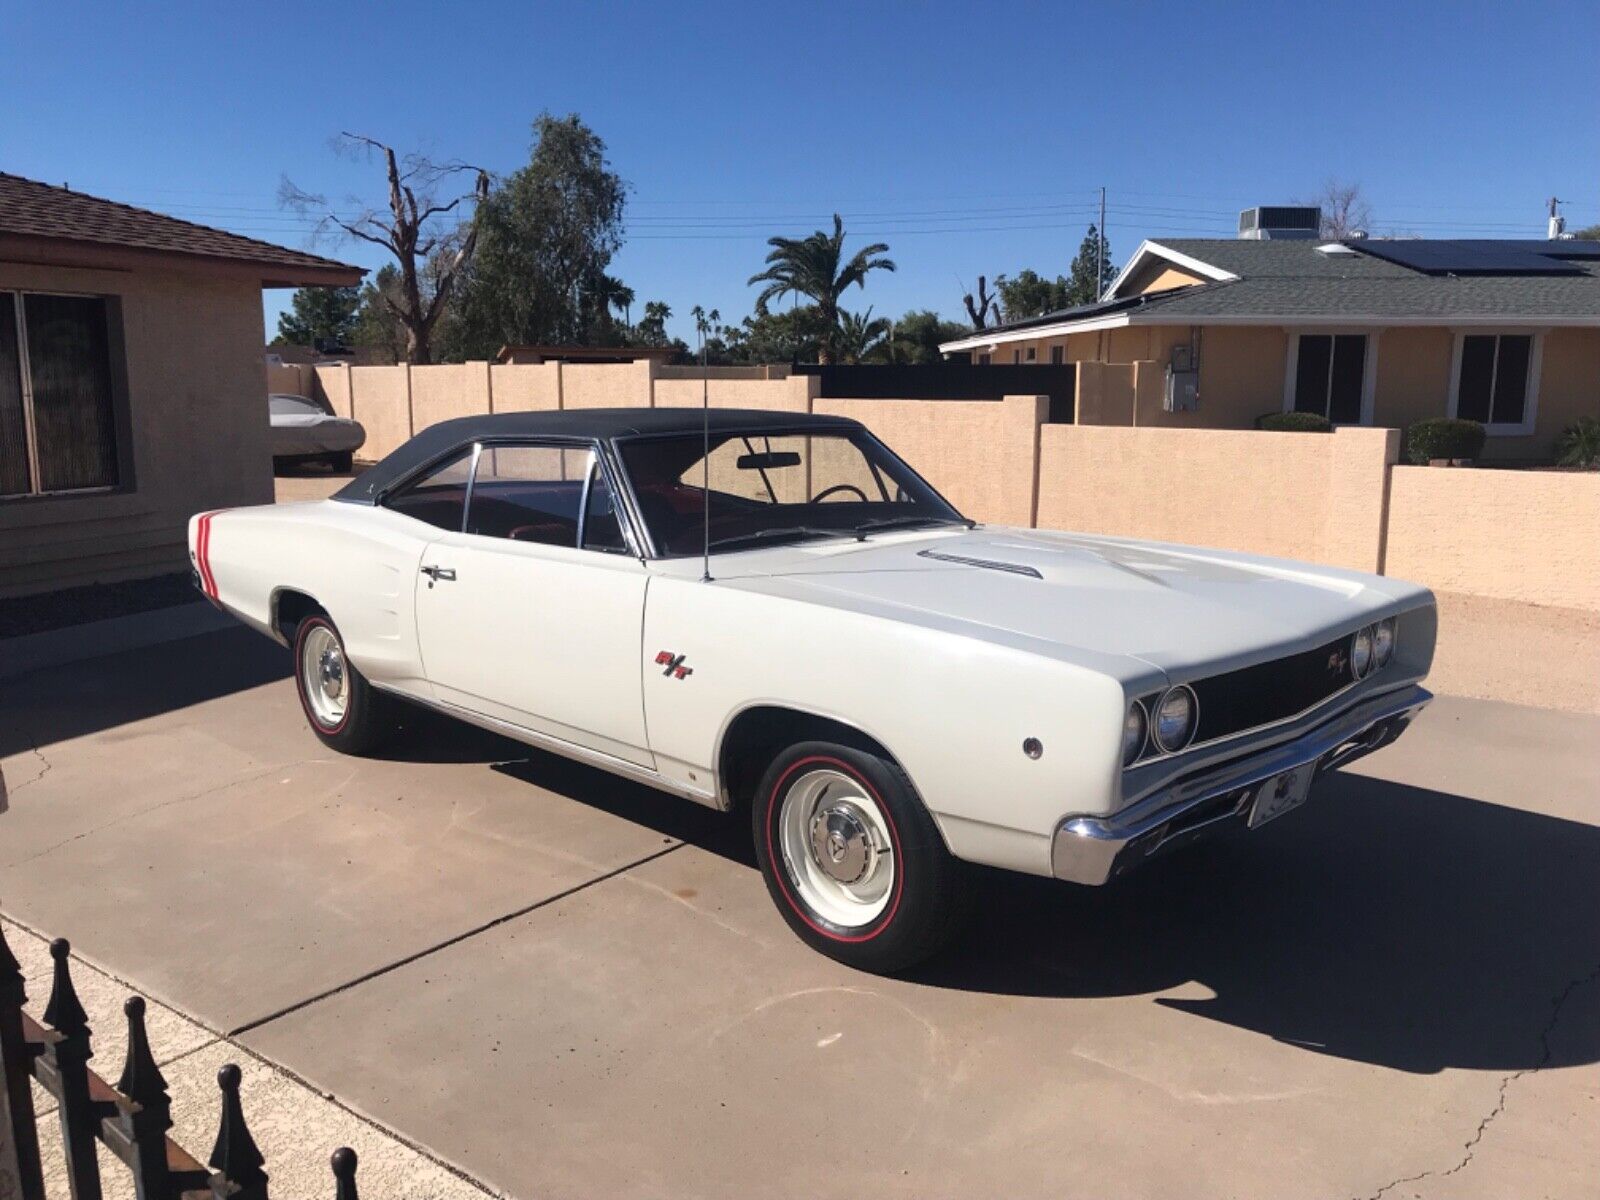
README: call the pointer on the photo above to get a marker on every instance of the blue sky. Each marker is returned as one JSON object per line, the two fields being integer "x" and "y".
{"x": 973, "y": 139}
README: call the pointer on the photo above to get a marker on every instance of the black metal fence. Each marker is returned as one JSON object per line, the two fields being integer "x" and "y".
{"x": 952, "y": 381}
{"x": 129, "y": 1118}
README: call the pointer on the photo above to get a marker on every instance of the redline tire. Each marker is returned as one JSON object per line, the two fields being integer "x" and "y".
{"x": 852, "y": 858}
{"x": 352, "y": 718}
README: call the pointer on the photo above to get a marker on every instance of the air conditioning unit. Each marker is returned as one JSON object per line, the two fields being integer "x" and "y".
{"x": 1299, "y": 222}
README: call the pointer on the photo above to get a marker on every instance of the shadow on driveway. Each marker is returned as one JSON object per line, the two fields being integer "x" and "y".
{"x": 56, "y": 704}
{"x": 1383, "y": 923}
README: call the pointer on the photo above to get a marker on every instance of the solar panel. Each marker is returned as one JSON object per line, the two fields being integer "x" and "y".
{"x": 1469, "y": 256}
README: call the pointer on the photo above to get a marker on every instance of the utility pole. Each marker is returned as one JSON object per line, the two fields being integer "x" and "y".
{"x": 1100, "y": 249}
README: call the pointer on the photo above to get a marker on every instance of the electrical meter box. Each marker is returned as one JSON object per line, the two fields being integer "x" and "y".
{"x": 1183, "y": 381}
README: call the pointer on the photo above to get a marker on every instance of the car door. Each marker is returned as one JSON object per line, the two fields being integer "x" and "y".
{"x": 533, "y": 612}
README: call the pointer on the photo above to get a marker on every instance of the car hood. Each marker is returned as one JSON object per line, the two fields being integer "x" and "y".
{"x": 1084, "y": 598}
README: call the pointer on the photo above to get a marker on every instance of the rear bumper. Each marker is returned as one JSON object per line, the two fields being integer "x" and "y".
{"x": 1093, "y": 850}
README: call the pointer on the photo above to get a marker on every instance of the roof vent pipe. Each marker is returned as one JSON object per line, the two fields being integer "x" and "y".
{"x": 1558, "y": 223}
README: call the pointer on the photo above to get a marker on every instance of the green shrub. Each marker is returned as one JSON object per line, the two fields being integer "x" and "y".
{"x": 1295, "y": 422}
{"x": 1579, "y": 443}
{"x": 1443, "y": 437}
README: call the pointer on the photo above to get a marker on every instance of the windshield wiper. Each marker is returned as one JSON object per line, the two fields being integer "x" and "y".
{"x": 761, "y": 535}
{"x": 867, "y": 527}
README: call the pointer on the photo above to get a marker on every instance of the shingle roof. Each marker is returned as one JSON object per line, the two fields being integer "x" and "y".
{"x": 30, "y": 209}
{"x": 1280, "y": 280}
{"x": 1295, "y": 279}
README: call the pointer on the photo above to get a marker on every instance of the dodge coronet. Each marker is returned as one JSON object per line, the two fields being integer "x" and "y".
{"x": 773, "y": 613}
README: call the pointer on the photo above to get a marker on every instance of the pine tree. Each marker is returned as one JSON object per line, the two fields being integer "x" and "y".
{"x": 1083, "y": 282}
{"x": 323, "y": 317}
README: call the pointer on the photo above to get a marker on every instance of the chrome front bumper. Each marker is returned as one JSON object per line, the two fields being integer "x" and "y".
{"x": 1093, "y": 850}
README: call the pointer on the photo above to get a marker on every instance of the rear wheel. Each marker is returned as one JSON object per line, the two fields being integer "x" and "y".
{"x": 344, "y": 710}
{"x": 853, "y": 860}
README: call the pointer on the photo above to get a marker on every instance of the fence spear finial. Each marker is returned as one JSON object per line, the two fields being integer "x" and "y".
{"x": 236, "y": 1155}
{"x": 142, "y": 1081}
{"x": 344, "y": 1171}
{"x": 64, "y": 1013}
{"x": 9, "y": 966}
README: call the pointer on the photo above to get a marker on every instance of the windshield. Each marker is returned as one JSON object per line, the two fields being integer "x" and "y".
{"x": 769, "y": 488}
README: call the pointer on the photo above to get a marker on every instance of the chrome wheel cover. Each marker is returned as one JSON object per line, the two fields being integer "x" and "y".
{"x": 324, "y": 677}
{"x": 836, "y": 848}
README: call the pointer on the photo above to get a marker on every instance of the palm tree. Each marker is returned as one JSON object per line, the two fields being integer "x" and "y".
{"x": 814, "y": 267}
{"x": 859, "y": 335}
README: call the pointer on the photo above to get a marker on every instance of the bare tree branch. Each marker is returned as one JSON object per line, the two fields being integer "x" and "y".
{"x": 405, "y": 230}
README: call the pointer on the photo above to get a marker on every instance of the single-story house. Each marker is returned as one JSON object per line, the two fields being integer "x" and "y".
{"x": 132, "y": 387}
{"x": 1364, "y": 331}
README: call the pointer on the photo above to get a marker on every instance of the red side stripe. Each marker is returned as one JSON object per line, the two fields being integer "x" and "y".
{"x": 202, "y": 546}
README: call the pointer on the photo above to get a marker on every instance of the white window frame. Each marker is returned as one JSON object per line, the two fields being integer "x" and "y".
{"x": 1530, "y": 404}
{"x": 1369, "y": 366}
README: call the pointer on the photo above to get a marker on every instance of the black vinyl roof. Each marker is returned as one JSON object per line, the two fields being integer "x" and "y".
{"x": 600, "y": 424}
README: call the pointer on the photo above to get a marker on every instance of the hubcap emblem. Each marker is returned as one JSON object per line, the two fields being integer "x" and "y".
{"x": 841, "y": 845}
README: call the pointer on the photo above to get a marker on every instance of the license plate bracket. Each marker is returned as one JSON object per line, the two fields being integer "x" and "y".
{"x": 1281, "y": 793}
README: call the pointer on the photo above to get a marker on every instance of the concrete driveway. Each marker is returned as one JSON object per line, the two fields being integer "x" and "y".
{"x": 565, "y": 985}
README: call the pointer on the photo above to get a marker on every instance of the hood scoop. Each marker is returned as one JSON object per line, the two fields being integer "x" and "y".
{"x": 989, "y": 564}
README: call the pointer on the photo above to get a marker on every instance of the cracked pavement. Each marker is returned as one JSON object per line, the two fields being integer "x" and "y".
{"x": 556, "y": 983}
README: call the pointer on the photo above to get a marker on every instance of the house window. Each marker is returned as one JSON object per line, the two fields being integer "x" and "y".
{"x": 1495, "y": 377}
{"x": 58, "y": 427}
{"x": 1330, "y": 375}
{"x": 983, "y": 360}
{"x": 1031, "y": 353}
{"x": 1016, "y": 356}
{"x": 1056, "y": 354}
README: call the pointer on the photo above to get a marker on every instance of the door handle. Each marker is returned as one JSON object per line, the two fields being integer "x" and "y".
{"x": 435, "y": 573}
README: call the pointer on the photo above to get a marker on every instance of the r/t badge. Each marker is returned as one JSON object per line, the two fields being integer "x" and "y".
{"x": 674, "y": 665}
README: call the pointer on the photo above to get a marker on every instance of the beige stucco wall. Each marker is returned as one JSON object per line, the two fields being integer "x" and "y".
{"x": 794, "y": 394}
{"x": 333, "y": 385}
{"x": 525, "y": 387}
{"x": 1569, "y": 388}
{"x": 1160, "y": 280}
{"x": 1241, "y": 374}
{"x": 199, "y": 430}
{"x": 295, "y": 379}
{"x": 380, "y": 398}
{"x": 981, "y": 454}
{"x": 1317, "y": 497}
{"x": 606, "y": 385}
{"x": 444, "y": 391}
{"x": 1413, "y": 377}
{"x": 1516, "y": 535}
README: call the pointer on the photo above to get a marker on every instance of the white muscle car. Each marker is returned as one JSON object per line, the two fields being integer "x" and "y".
{"x": 797, "y": 625}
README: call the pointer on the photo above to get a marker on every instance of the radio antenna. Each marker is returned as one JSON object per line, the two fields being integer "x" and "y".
{"x": 703, "y": 320}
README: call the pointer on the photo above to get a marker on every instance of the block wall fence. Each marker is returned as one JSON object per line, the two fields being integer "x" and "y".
{"x": 1340, "y": 498}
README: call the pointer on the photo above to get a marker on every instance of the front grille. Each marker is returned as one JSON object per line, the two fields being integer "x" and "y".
{"x": 1271, "y": 691}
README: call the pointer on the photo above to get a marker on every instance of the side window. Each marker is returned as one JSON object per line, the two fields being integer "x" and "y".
{"x": 602, "y": 530}
{"x": 529, "y": 493}
{"x": 438, "y": 498}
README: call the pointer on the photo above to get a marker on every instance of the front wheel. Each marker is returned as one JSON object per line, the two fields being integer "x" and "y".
{"x": 345, "y": 711}
{"x": 853, "y": 860}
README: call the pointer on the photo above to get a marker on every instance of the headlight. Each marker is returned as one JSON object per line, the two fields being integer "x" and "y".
{"x": 1383, "y": 642}
{"x": 1361, "y": 653}
{"x": 1175, "y": 719}
{"x": 1134, "y": 728}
